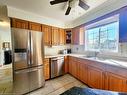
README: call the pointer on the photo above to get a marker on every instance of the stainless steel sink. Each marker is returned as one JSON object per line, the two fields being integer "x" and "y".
{"x": 95, "y": 58}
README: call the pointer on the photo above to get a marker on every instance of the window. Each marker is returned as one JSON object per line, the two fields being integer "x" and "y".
{"x": 102, "y": 38}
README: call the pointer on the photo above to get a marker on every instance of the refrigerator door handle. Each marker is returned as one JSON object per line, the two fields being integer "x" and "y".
{"x": 35, "y": 69}
{"x": 31, "y": 48}
{"x": 28, "y": 57}
{"x": 28, "y": 50}
{"x": 22, "y": 71}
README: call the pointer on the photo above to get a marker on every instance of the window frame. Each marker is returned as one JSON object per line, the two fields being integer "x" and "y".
{"x": 99, "y": 25}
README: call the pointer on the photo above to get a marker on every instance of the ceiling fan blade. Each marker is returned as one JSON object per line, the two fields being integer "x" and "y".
{"x": 68, "y": 10}
{"x": 83, "y": 5}
{"x": 57, "y": 1}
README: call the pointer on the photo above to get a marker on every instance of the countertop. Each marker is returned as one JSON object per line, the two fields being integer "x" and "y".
{"x": 59, "y": 55}
{"x": 6, "y": 66}
{"x": 113, "y": 62}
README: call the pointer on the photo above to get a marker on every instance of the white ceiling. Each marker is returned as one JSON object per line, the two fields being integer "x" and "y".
{"x": 43, "y": 8}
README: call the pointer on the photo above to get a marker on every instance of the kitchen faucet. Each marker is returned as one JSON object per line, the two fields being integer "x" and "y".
{"x": 95, "y": 54}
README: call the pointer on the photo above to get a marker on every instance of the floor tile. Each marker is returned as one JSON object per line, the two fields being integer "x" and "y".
{"x": 58, "y": 85}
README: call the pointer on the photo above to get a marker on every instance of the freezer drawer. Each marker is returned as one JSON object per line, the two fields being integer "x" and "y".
{"x": 28, "y": 80}
{"x": 21, "y": 82}
{"x": 36, "y": 78}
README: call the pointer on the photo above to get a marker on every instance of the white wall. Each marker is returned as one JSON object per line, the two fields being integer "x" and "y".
{"x": 17, "y": 13}
{"x": 5, "y": 36}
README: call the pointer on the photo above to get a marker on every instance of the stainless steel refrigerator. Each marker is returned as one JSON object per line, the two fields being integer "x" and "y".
{"x": 28, "y": 60}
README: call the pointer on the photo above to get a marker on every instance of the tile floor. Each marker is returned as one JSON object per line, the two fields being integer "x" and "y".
{"x": 58, "y": 85}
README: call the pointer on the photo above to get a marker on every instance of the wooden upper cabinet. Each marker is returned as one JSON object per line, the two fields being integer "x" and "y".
{"x": 35, "y": 26}
{"x": 17, "y": 23}
{"x": 55, "y": 36}
{"x": 95, "y": 78}
{"x": 116, "y": 83}
{"x": 62, "y": 36}
{"x": 75, "y": 36}
{"x": 78, "y": 35}
{"x": 47, "y": 34}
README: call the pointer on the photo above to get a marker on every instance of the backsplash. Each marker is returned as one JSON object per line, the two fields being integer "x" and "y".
{"x": 122, "y": 51}
{"x": 55, "y": 49}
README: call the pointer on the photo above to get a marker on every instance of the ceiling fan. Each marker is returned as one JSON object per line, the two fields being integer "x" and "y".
{"x": 71, "y": 3}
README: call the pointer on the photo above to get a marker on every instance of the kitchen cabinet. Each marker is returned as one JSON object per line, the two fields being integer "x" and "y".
{"x": 47, "y": 34}
{"x": 98, "y": 75}
{"x": 73, "y": 67}
{"x": 82, "y": 72}
{"x": 52, "y": 35}
{"x": 62, "y": 36}
{"x": 78, "y": 36}
{"x": 18, "y": 23}
{"x": 70, "y": 65}
{"x": 35, "y": 26}
{"x": 55, "y": 36}
{"x": 66, "y": 64}
{"x": 115, "y": 82}
{"x": 95, "y": 77}
{"x": 46, "y": 69}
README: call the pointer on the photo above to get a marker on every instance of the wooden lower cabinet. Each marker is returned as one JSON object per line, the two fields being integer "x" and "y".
{"x": 82, "y": 72}
{"x": 66, "y": 64}
{"x": 98, "y": 75}
{"x": 95, "y": 77}
{"x": 70, "y": 65}
{"x": 46, "y": 69}
{"x": 115, "y": 82}
{"x": 73, "y": 69}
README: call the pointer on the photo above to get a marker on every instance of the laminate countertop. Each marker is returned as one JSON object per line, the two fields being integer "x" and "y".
{"x": 113, "y": 62}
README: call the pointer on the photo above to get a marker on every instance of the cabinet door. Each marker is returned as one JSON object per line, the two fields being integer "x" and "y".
{"x": 55, "y": 36}
{"x": 46, "y": 69}
{"x": 35, "y": 26}
{"x": 74, "y": 69}
{"x": 17, "y": 23}
{"x": 66, "y": 64}
{"x": 83, "y": 70}
{"x": 62, "y": 36}
{"x": 95, "y": 77}
{"x": 47, "y": 34}
{"x": 78, "y": 35}
{"x": 75, "y": 36}
{"x": 70, "y": 65}
{"x": 116, "y": 83}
